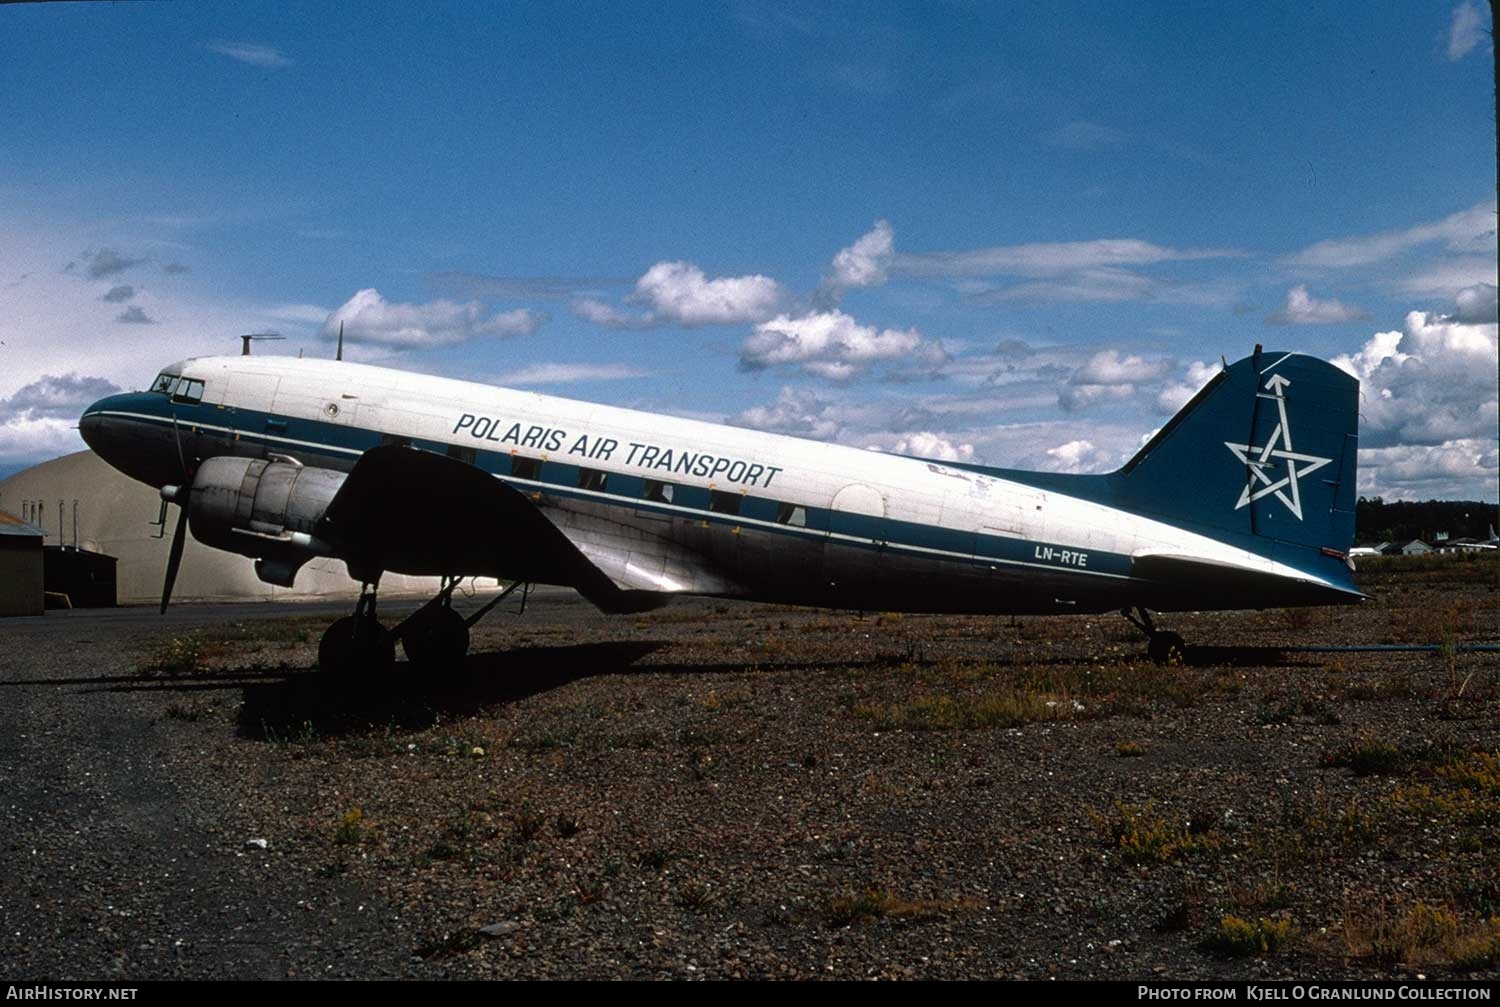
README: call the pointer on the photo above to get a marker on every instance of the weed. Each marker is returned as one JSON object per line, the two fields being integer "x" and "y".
{"x": 1241, "y": 938}
{"x": 876, "y": 903}
{"x": 1143, "y": 837}
{"x": 694, "y": 895}
{"x": 352, "y": 829}
{"x": 528, "y": 823}
{"x": 1130, "y": 749}
{"x": 175, "y": 655}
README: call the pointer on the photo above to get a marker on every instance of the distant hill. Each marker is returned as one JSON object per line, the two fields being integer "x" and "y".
{"x": 1375, "y": 520}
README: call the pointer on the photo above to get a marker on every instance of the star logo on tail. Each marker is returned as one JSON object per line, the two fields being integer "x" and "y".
{"x": 1275, "y": 468}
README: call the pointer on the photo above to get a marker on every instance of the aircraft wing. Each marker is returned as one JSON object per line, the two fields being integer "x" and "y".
{"x": 422, "y": 513}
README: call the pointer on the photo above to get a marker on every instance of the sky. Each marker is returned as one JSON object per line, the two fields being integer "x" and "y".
{"x": 1019, "y": 234}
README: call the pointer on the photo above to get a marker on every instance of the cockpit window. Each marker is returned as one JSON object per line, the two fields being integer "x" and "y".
{"x": 187, "y": 390}
{"x": 165, "y": 383}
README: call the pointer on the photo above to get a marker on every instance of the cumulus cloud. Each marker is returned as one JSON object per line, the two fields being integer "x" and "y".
{"x": 1471, "y": 230}
{"x": 1301, "y": 308}
{"x": 134, "y": 315}
{"x": 1078, "y": 456}
{"x": 1430, "y": 383}
{"x": 831, "y": 344}
{"x": 249, "y": 52}
{"x": 1177, "y": 393}
{"x": 679, "y": 293}
{"x": 866, "y": 263}
{"x": 1465, "y": 31}
{"x": 567, "y": 373}
{"x": 1465, "y": 468}
{"x": 174, "y": 268}
{"x": 118, "y": 295}
{"x": 925, "y": 444}
{"x": 1476, "y": 305}
{"x": 57, "y": 396}
{"x": 369, "y": 318}
{"x": 1109, "y": 377}
{"x": 39, "y": 419}
{"x": 797, "y": 412}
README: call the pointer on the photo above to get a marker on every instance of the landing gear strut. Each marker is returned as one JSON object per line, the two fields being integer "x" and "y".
{"x": 358, "y": 642}
{"x": 1162, "y": 646}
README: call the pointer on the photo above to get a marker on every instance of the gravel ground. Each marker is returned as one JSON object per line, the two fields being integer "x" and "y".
{"x": 739, "y": 790}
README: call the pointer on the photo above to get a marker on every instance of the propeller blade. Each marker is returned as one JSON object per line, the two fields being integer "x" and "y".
{"x": 174, "y": 558}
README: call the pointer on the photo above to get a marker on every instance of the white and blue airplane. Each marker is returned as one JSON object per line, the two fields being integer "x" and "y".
{"x": 1244, "y": 499}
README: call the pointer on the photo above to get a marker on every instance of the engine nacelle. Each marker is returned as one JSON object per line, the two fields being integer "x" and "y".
{"x": 268, "y": 510}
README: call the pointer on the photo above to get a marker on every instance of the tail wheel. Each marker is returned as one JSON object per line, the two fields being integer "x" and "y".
{"x": 437, "y": 638}
{"x": 354, "y": 646}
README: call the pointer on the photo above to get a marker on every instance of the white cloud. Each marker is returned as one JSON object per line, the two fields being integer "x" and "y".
{"x": 107, "y": 262}
{"x": 1463, "y": 469}
{"x": 567, "y": 373}
{"x": 1051, "y": 258}
{"x": 680, "y": 292}
{"x": 866, "y": 263}
{"x": 118, "y": 295}
{"x": 369, "y": 318}
{"x": 1447, "y": 276}
{"x": 1431, "y": 383}
{"x": 34, "y": 439}
{"x": 1465, "y": 31}
{"x": 1471, "y": 230}
{"x": 1477, "y": 305}
{"x": 40, "y": 420}
{"x": 1108, "y": 377}
{"x": 135, "y": 315}
{"x": 249, "y": 52}
{"x": 1079, "y": 456}
{"x": 833, "y": 345}
{"x": 796, "y": 412}
{"x": 925, "y": 444}
{"x": 1301, "y": 308}
{"x": 1177, "y": 393}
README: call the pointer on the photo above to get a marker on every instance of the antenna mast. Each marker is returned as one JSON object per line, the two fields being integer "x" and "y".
{"x": 245, "y": 340}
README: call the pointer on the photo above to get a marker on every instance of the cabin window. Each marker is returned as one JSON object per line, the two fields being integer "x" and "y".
{"x": 657, "y": 491}
{"x": 187, "y": 390}
{"x": 721, "y": 502}
{"x": 791, "y": 514}
{"x": 466, "y": 455}
{"x": 592, "y": 479}
{"x": 525, "y": 468}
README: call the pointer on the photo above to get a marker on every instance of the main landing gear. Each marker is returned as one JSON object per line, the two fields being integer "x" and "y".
{"x": 435, "y": 637}
{"x": 1162, "y": 646}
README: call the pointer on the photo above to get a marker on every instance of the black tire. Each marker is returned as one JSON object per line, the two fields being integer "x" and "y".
{"x": 356, "y": 647}
{"x": 1167, "y": 648}
{"x": 436, "y": 640}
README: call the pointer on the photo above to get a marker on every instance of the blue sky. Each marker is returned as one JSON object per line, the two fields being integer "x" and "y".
{"x": 1015, "y": 233}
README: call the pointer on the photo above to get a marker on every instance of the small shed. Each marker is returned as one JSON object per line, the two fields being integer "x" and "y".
{"x": 21, "y": 567}
{"x": 85, "y": 579}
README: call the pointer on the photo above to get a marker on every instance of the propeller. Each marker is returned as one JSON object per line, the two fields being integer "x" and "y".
{"x": 174, "y": 558}
{"x": 178, "y": 495}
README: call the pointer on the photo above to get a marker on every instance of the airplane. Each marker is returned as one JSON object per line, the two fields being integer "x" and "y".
{"x": 286, "y": 459}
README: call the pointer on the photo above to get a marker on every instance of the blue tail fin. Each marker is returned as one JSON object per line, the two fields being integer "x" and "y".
{"x": 1264, "y": 455}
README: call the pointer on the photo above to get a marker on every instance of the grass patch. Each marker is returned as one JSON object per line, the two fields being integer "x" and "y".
{"x": 1423, "y": 933}
{"x": 173, "y": 655}
{"x": 1241, "y": 938}
{"x": 1141, "y": 836}
{"x": 352, "y": 828}
{"x": 1130, "y": 750}
{"x": 966, "y": 712}
{"x": 855, "y": 907}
